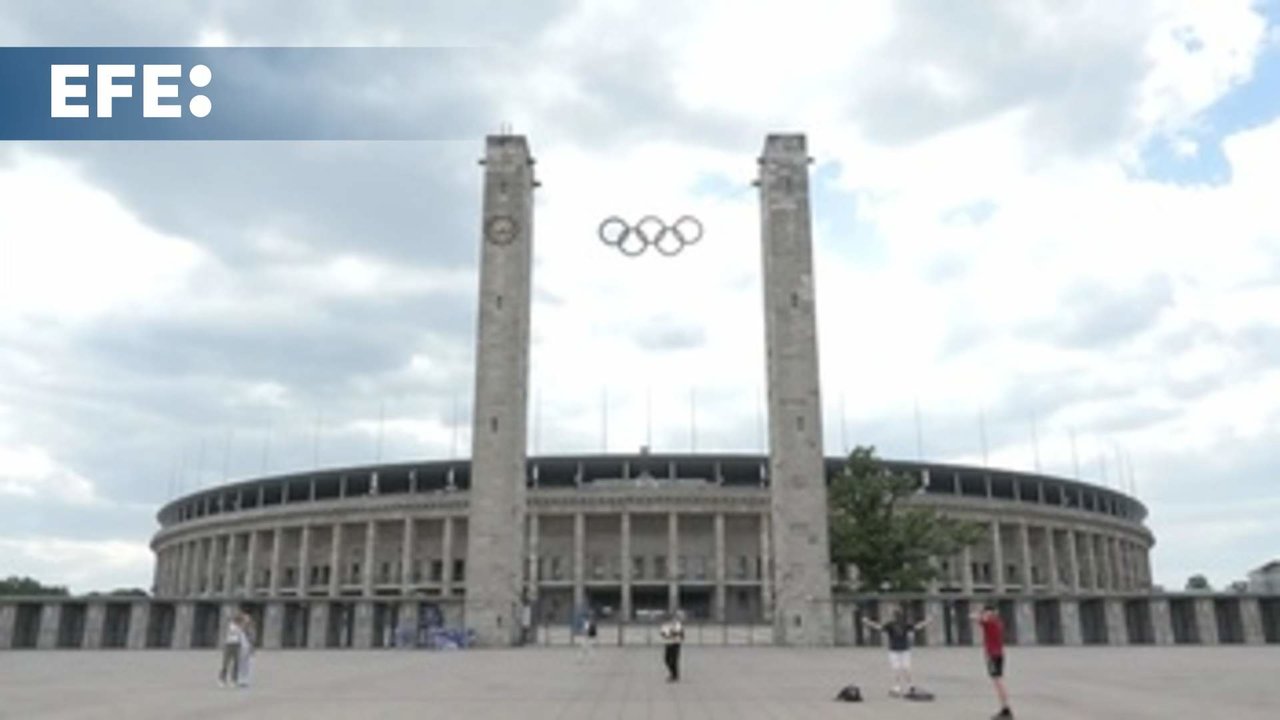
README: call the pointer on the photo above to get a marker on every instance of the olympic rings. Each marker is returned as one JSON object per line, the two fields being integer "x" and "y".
{"x": 650, "y": 231}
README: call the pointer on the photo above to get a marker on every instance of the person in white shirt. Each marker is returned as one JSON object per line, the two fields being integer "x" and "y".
{"x": 232, "y": 641}
{"x": 672, "y": 633}
{"x": 248, "y": 638}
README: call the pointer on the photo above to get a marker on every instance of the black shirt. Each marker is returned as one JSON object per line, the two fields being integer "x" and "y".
{"x": 899, "y": 634}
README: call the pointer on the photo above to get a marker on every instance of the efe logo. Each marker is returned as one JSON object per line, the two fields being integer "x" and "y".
{"x": 61, "y": 89}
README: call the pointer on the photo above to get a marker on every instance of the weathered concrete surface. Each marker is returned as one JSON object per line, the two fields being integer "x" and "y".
{"x": 801, "y": 567}
{"x": 496, "y": 526}
{"x": 737, "y": 683}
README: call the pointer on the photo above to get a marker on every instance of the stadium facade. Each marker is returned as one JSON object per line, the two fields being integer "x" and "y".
{"x": 510, "y": 547}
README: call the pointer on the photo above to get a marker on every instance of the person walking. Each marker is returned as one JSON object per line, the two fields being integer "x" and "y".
{"x": 993, "y": 651}
{"x": 232, "y": 640}
{"x": 672, "y": 633}
{"x": 899, "y": 634}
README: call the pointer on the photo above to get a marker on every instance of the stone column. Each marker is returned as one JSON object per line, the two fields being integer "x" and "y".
{"x": 718, "y": 611}
{"x": 335, "y": 560}
{"x": 446, "y": 557}
{"x": 304, "y": 561}
{"x": 273, "y": 625}
{"x": 181, "y": 588}
{"x": 318, "y": 625}
{"x": 8, "y": 616}
{"x": 406, "y": 618}
{"x": 673, "y": 550}
{"x": 95, "y": 621}
{"x": 626, "y": 565}
{"x": 273, "y": 583}
{"x": 1250, "y": 619}
{"x": 766, "y": 571}
{"x": 1112, "y": 562}
{"x": 1091, "y": 559}
{"x": 1024, "y": 537}
{"x": 1073, "y": 560}
{"x": 1026, "y": 614}
{"x": 495, "y": 529}
{"x": 797, "y": 476}
{"x": 50, "y": 617}
{"x": 935, "y": 632}
{"x": 535, "y": 530}
{"x": 1070, "y": 620}
{"x": 229, "y": 566}
{"x": 579, "y": 562}
{"x": 1161, "y": 621}
{"x": 370, "y": 541}
{"x": 138, "y": 617}
{"x": 406, "y": 556}
{"x": 362, "y": 636}
{"x": 966, "y": 571}
{"x": 997, "y": 558}
{"x": 193, "y": 571}
{"x": 251, "y": 565}
{"x": 184, "y": 615}
{"x": 210, "y": 565}
{"x": 1117, "y": 631}
{"x": 1206, "y": 621}
{"x": 1051, "y": 541}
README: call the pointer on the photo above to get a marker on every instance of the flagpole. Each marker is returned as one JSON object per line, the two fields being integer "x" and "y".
{"x": 1075, "y": 456}
{"x": 1035, "y": 441}
{"x": 454, "y": 425}
{"x": 648, "y": 418}
{"x": 982, "y": 432}
{"x": 604, "y": 419}
{"x": 382, "y": 418}
{"x": 226, "y": 455}
{"x": 759, "y": 422}
{"x": 693, "y": 419}
{"x": 315, "y": 440}
{"x": 844, "y": 431}
{"x": 266, "y": 442}
{"x": 919, "y": 432}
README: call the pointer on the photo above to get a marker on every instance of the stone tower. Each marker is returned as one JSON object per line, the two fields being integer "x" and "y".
{"x": 498, "y": 437}
{"x": 801, "y": 570}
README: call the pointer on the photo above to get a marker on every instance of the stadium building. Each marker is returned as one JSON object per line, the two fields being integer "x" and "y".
{"x": 506, "y": 548}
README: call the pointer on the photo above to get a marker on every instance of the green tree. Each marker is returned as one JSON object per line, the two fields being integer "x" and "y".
{"x": 891, "y": 542}
{"x": 14, "y": 586}
{"x": 1198, "y": 582}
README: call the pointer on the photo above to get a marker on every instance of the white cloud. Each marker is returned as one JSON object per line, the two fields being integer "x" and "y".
{"x": 31, "y": 472}
{"x": 83, "y": 565}
{"x": 1001, "y": 242}
{"x": 70, "y": 252}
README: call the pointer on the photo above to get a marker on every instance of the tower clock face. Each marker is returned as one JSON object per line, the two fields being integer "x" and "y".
{"x": 501, "y": 230}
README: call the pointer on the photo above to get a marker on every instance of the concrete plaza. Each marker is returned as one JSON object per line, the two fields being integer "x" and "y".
{"x": 720, "y": 682}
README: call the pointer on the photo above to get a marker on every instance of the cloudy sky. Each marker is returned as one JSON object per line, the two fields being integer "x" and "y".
{"x": 1036, "y": 222}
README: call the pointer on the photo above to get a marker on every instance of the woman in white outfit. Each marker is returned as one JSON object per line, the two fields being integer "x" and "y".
{"x": 232, "y": 641}
{"x": 246, "y": 647}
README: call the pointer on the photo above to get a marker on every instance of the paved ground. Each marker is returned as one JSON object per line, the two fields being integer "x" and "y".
{"x": 735, "y": 683}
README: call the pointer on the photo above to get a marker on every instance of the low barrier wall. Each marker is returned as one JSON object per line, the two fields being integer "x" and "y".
{"x": 361, "y": 622}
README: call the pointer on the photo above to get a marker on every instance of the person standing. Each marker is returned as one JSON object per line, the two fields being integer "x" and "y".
{"x": 232, "y": 640}
{"x": 586, "y": 631}
{"x": 672, "y": 633}
{"x": 250, "y": 636}
{"x": 993, "y": 650}
{"x": 899, "y": 633}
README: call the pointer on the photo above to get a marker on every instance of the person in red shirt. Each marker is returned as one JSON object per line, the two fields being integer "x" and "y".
{"x": 993, "y": 649}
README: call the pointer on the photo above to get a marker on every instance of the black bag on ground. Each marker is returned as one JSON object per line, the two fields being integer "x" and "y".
{"x": 918, "y": 695}
{"x": 849, "y": 693}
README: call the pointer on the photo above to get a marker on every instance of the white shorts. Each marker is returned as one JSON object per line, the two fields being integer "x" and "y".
{"x": 900, "y": 660}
